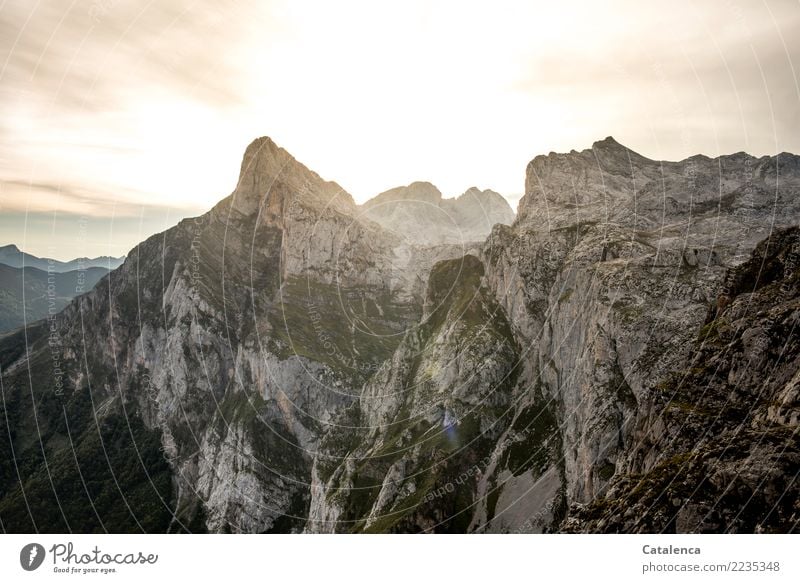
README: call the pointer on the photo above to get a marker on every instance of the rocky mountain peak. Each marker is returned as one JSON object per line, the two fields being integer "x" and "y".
{"x": 489, "y": 201}
{"x": 419, "y": 191}
{"x": 423, "y": 190}
{"x": 419, "y": 213}
{"x": 609, "y": 143}
{"x": 270, "y": 175}
{"x": 615, "y": 184}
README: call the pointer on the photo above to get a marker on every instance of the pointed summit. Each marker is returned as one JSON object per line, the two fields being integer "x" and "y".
{"x": 269, "y": 173}
{"x": 611, "y": 152}
{"x": 611, "y": 149}
{"x": 608, "y": 144}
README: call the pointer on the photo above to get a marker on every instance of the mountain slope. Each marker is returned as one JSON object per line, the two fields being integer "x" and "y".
{"x": 610, "y": 299}
{"x": 234, "y": 337}
{"x": 29, "y": 294}
{"x": 435, "y": 419}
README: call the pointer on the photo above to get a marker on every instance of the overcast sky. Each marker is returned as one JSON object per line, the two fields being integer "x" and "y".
{"x": 120, "y": 117}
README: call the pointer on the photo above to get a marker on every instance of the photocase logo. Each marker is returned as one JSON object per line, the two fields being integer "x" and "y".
{"x": 31, "y": 556}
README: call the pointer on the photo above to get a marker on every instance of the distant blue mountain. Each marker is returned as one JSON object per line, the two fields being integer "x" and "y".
{"x": 13, "y": 256}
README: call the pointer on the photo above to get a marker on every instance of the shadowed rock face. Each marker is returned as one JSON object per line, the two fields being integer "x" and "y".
{"x": 418, "y": 213}
{"x": 291, "y": 361}
{"x": 715, "y": 448}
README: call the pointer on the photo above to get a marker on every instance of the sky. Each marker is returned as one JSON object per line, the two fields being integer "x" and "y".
{"x": 118, "y": 118}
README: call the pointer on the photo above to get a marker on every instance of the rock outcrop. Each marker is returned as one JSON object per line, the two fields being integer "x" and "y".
{"x": 715, "y": 446}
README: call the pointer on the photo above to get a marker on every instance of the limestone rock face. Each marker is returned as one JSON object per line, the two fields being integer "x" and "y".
{"x": 236, "y": 336}
{"x": 443, "y": 423}
{"x": 715, "y": 445}
{"x": 624, "y": 257}
{"x": 618, "y": 357}
{"x": 272, "y": 179}
{"x": 419, "y": 214}
{"x": 723, "y": 201}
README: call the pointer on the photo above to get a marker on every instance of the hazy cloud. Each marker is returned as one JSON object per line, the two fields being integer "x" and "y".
{"x": 120, "y": 105}
{"x": 42, "y": 197}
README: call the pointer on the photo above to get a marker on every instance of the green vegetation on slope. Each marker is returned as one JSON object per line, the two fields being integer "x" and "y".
{"x": 29, "y": 294}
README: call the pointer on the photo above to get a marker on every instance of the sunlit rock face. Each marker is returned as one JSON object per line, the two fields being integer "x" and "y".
{"x": 291, "y": 361}
{"x": 419, "y": 214}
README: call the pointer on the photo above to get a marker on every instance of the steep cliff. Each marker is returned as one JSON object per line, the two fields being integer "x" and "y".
{"x": 715, "y": 447}
{"x": 608, "y": 274}
{"x": 445, "y": 420}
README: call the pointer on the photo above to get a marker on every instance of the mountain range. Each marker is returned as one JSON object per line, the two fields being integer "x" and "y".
{"x": 13, "y": 256}
{"x": 620, "y": 356}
